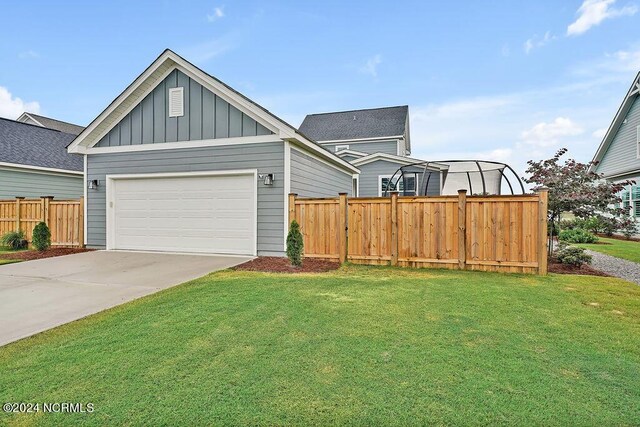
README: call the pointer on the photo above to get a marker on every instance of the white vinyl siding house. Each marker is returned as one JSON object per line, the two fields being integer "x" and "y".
{"x": 186, "y": 164}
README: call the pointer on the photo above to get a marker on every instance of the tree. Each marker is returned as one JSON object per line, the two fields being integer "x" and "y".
{"x": 574, "y": 188}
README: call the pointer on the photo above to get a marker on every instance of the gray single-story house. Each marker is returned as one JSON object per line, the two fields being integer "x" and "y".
{"x": 618, "y": 156}
{"x": 377, "y": 141}
{"x": 181, "y": 162}
{"x": 34, "y": 162}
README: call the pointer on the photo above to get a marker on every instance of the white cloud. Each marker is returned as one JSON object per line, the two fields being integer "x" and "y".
{"x": 218, "y": 13}
{"x": 535, "y": 41}
{"x": 29, "y": 54}
{"x": 550, "y": 134}
{"x": 11, "y": 107}
{"x": 599, "y": 133}
{"x": 206, "y": 51}
{"x": 371, "y": 66}
{"x": 593, "y": 12}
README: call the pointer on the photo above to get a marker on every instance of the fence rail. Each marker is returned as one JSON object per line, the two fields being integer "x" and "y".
{"x": 65, "y": 218}
{"x": 490, "y": 233}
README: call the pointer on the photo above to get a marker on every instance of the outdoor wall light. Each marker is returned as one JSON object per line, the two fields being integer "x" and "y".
{"x": 93, "y": 184}
{"x": 267, "y": 178}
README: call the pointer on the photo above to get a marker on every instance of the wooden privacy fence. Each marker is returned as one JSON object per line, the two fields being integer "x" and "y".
{"x": 65, "y": 218}
{"x": 490, "y": 233}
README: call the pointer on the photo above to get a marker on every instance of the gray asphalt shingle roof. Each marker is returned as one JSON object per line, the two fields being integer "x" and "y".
{"x": 50, "y": 123}
{"x": 34, "y": 145}
{"x": 356, "y": 124}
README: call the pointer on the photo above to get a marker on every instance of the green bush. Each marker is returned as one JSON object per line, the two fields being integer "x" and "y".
{"x": 577, "y": 235}
{"x": 295, "y": 244}
{"x": 572, "y": 255}
{"x": 41, "y": 239}
{"x": 15, "y": 240}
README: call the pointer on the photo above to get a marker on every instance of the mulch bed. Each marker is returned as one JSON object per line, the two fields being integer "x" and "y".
{"x": 49, "y": 253}
{"x": 272, "y": 264}
{"x": 584, "y": 269}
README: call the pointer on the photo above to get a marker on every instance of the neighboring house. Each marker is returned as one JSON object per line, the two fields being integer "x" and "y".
{"x": 34, "y": 162}
{"x": 48, "y": 122}
{"x": 181, "y": 162}
{"x": 378, "y": 142}
{"x": 618, "y": 156}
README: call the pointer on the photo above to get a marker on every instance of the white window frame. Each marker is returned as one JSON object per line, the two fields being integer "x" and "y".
{"x": 341, "y": 147}
{"x": 400, "y": 181}
{"x": 179, "y": 90}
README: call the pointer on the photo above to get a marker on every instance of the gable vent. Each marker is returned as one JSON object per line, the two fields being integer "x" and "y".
{"x": 176, "y": 102}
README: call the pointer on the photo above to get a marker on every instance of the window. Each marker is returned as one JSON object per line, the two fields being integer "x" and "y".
{"x": 176, "y": 102}
{"x": 398, "y": 184}
{"x": 341, "y": 147}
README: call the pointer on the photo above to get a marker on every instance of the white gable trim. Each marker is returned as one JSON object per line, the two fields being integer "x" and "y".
{"x": 351, "y": 153}
{"x": 260, "y": 139}
{"x": 26, "y": 116}
{"x": 357, "y": 140}
{"x": 396, "y": 159}
{"x": 41, "y": 169}
{"x": 622, "y": 112}
{"x": 281, "y": 129}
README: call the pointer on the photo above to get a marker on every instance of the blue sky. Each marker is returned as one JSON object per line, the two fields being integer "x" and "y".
{"x": 502, "y": 80}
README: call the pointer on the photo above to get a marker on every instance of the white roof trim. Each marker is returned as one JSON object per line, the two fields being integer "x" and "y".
{"x": 39, "y": 168}
{"x": 396, "y": 159}
{"x": 351, "y": 153}
{"x": 282, "y": 129}
{"x": 28, "y": 116}
{"x": 632, "y": 93}
{"x": 355, "y": 140}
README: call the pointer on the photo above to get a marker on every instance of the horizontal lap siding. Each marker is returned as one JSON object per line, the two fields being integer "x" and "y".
{"x": 313, "y": 178}
{"x": 33, "y": 184}
{"x": 266, "y": 158}
{"x": 382, "y": 146}
{"x": 622, "y": 154}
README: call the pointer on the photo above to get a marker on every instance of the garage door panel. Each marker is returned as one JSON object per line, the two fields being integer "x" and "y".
{"x": 213, "y": 214}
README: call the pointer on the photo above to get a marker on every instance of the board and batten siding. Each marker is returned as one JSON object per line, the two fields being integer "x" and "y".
{"x": 265, "y": 157}
{"x": 34, "y": 184}
{"x": 206, "y": 116}
{"x": 622, "y": 154}
{"x": 369, "y": 147}
{"x": 370, "y": 172}
{"x": 313, "y": 178}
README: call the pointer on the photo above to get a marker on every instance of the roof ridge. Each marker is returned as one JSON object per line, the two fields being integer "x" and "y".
{"x": 355, "y": 111}
{"x": 55, "y": 120}
{"x": 30, "y": 124}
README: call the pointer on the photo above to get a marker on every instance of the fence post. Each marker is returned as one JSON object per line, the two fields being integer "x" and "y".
{"x": 342, "y": 226}
{"x": 292, "y": 207}
{"x": 462, "y": 229}
{"x": 18, "y": 201}
{"x": 543, "y": 202}
{"x": 46, "y": 203}
{"x": 81, "y": 223}
{"x": 394, "y": 228}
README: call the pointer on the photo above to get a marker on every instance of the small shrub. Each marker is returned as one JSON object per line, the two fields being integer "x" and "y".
{"x": 577, "y": 235}
{"x": 295, "y": 244}
{"x": 15, "y": 240}
{"x": 628, "y": 227}
{"x": 41, "y": 239}
{"x": 572, "y": 255}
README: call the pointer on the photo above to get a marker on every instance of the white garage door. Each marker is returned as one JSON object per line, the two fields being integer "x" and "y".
{"x": 208, "y": 214}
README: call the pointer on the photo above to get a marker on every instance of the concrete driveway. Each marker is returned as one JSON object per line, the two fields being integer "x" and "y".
{"x": 42, "y": 294}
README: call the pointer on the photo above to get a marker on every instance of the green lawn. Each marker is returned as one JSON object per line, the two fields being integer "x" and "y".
{"x": 626, "y": 249}
{"x": 5, "y": 250}
{"x": 360, "y": 346}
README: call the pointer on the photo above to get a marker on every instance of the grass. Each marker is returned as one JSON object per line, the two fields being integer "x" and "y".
{"x": 626, "y": 249}
{"x": 363, "y": 346}
{"x": 5, "y": 250}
